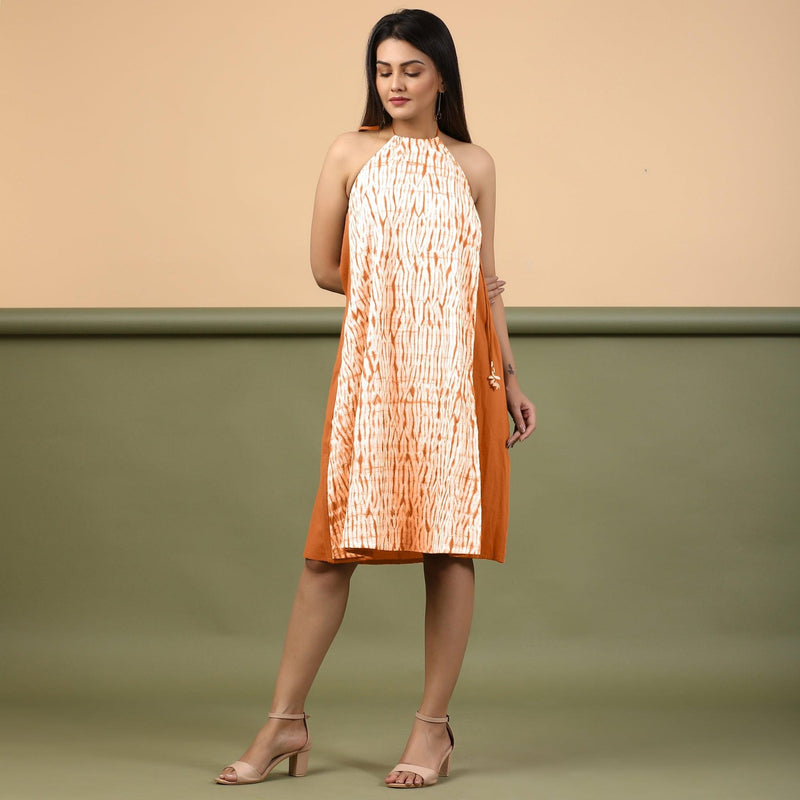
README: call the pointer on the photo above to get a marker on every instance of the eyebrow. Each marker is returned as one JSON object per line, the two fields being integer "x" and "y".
{"x": 404, "y": 64}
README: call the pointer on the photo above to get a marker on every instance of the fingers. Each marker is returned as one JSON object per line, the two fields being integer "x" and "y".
{"x": 524, "y": 417}
{"x": 494, "y": 286}
{"x": 528, "y": 413}
{"x": 519, "y": 427}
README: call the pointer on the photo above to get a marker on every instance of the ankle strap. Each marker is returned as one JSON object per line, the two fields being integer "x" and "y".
{"x": 431, "y": 719}
{"x": 273, "y": 715}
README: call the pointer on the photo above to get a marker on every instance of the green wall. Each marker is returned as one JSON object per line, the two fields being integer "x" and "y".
{"x": 156, "y": 491}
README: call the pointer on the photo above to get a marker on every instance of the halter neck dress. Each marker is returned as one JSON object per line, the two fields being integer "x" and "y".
{"x": 413, "y": 448}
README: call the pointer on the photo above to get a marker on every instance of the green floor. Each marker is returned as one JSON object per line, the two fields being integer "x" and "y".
{"x": 569, "y": 721}
{"x": 570, "y": 751}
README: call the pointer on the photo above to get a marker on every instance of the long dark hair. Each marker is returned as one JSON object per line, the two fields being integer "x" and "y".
{"x": 429, "y": 34}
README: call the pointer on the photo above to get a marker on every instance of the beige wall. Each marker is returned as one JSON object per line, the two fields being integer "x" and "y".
{"x": 165, "y": 152}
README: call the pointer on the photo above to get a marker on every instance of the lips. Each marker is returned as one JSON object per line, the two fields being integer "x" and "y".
{"x": 398, "y": 101}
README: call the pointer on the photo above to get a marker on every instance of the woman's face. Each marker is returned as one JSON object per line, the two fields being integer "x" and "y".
{"x": 407, "y": 81}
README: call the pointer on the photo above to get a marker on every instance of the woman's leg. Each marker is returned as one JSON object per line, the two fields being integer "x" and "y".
{"x": 317, "y": 613}
{"x": 449, "y": 598}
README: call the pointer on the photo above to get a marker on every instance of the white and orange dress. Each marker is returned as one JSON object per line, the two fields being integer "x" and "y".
{"x": 413, "y": 449}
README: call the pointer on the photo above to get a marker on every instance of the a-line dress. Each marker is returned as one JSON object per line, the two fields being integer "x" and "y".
{"x": 413, "y": 449}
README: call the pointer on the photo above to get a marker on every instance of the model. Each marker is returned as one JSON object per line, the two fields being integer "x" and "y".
{"x": 415, "y": 464}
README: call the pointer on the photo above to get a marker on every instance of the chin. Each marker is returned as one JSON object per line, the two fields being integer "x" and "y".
{"x": 400, "y": 114}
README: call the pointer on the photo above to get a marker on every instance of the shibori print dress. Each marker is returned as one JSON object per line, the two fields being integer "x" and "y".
{"x": 413, "y": 451}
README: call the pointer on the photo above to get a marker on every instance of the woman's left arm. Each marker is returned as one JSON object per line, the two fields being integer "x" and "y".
{"x": 521, "y": 409}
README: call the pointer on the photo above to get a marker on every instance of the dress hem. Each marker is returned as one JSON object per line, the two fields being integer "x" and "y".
{"x": 374, "y": 557}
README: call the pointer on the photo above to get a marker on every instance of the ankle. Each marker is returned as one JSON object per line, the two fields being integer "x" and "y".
{"x": 432, "y": 717}
{"x": 288, "y": 716}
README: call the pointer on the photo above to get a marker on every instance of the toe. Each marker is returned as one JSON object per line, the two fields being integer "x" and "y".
{"x": 411, "y": 779}
{"x": 406, "y": 778}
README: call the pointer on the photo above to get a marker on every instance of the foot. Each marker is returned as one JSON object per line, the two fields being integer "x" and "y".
{"x": 278, "y": 736}
{"x": 426, "y": 746}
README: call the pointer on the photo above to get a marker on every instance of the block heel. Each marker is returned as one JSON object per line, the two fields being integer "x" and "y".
{"x": 444, "y": 770}
{"x": 298, "y": 764}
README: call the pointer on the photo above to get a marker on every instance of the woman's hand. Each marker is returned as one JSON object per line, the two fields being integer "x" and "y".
{"x": 523, "y": 412}
{"x": 494, "y": 286}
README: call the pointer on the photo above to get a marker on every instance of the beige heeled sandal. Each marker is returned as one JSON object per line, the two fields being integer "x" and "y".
{"x": 298, "y": 759}
{"x": 429, "y": 776}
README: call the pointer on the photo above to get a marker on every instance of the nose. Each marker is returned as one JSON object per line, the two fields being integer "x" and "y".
{"x": 398, "y": 84}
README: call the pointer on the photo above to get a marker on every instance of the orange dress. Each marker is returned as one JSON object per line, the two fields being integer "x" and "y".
{"x": 413, "y": 448}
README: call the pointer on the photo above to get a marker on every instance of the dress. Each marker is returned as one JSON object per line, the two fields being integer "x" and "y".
{"x": 413, "y": 448}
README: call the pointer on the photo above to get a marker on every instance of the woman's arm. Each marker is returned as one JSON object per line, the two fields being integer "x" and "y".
{"x": 521, "y": 409}
{"x": 330, "y": 211}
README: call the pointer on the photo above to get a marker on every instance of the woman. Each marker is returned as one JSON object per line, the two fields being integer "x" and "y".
{"x": 415, "y": 445}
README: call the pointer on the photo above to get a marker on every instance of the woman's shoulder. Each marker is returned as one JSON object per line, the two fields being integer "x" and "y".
{"x": 351, "y": 150}
{"x": 471, "y": 155}
{"x": 477, "y": 164}
{"x": 352, "y": 145}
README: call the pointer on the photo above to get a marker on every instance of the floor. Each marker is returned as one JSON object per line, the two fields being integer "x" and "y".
{"x": 554, "y": 751}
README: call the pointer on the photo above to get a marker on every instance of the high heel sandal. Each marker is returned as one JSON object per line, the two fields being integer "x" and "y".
{"x": 298, "y": 759}
{"x": 429, "y": 776}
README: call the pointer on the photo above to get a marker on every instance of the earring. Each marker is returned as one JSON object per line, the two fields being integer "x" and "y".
{"x": 439, "y": 105}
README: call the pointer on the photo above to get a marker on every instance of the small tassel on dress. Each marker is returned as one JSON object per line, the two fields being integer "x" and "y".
{"x": 494, "y": 378}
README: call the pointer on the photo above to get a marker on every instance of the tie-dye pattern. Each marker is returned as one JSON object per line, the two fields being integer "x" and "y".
{"x": 404, "y": 469}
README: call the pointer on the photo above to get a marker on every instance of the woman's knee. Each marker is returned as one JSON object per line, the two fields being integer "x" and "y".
{"x": 329, "y": 569}
{"x": 438, "y": 563}
{"x": 443, "y": 559}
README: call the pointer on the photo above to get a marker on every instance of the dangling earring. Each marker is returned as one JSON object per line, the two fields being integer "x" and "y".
{"x": 439, "y": 105}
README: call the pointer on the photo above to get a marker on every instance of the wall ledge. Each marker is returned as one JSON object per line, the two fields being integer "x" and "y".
{"x": 311, "y": 321}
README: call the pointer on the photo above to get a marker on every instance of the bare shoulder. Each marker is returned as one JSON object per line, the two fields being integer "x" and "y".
{"x": 351, "y": 150}
{"x": 472, "y": 154}
{"x": 343, "y": 147}
{"x": 354, "y": 145}
{"x": 477, "y": 163}
{"x": 348, "y": 153}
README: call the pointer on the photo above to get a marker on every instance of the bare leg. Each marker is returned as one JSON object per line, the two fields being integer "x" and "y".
{"x": 317, "y": 613}
{"x": 449, "y": 595}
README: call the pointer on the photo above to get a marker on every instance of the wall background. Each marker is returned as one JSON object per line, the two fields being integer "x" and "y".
{"x": 642, "y": 640}
{"x": 165, "y": 152}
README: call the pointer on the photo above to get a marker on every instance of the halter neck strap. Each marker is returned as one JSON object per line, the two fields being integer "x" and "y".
{"x": 435, "y": 135}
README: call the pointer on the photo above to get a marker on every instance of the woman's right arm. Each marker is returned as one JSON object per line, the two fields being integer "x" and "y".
{"x": 330, "y": 211}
